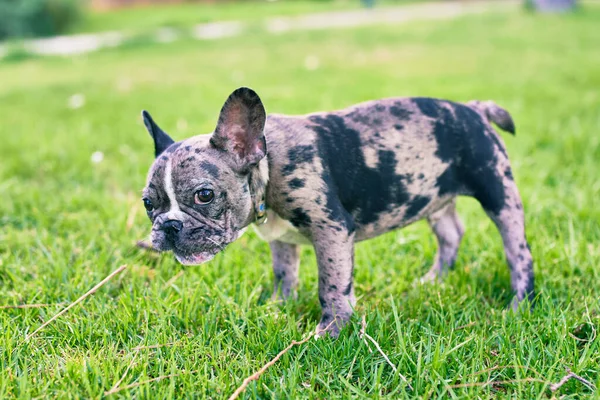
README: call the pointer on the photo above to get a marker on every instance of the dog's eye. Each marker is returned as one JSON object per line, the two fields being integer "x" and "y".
{"x": 204, "y": 196}
{"x": 148, "y": 205}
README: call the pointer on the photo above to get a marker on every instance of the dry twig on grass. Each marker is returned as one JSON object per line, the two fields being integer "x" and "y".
{"x": 258, "y": 373}
{"x": 364, "y": 334}
{"x": 262, "y": 370}
{"x": 134, "y": 385}
{"x": 571, "y": 375}
{"x": 487, "y": 383}
{"x": 153, "y": 346}
{"x": 79, "y": 300}
{"x": 30, "y": 306}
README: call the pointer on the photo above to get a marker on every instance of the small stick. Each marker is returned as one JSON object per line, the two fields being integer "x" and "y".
{"x": 261, "y": 371}
{"x": 29, "y": 306}
{"x": 154, "y": 346}
{"x": 258, "y": 373}
{"x": 134, "y": 385}
{"x": 79, "y": 300}
{"x": 364, "y": 334}
{"x": 116, "y": 385}
{"x": 470, "y": 324}
{"x": 474, "y": 384}
{"x": 571, "y": 375}
{"x": 497, "y": 367}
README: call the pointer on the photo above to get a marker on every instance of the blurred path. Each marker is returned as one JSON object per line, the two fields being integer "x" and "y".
{"x": 78, "y": 44}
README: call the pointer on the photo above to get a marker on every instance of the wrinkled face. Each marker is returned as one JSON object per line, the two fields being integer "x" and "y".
{"x": 198, "y": 193}
{"x": 197, "y": 203}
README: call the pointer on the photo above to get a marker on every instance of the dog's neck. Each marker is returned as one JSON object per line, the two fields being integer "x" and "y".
{"x": 258, "y": 179}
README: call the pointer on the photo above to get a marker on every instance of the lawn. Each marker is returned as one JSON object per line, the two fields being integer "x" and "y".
{"x": 67, "y": 222}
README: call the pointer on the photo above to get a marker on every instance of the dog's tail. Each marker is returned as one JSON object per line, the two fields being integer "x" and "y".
{"x": 494, "y": 113}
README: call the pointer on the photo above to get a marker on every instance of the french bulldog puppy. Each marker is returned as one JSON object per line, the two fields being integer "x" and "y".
{"x": 331, "y": 179}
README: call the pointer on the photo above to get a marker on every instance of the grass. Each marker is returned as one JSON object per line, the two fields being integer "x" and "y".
{"x": 64, "y": 222}
{"x": 187, "y": 14}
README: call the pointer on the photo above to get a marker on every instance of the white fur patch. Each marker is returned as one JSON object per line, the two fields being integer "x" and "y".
{"x": 168, "y": 184}
{"x": 277, "y": 228}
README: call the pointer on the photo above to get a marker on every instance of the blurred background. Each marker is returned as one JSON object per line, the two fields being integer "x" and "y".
{"x": 29, "y": 18}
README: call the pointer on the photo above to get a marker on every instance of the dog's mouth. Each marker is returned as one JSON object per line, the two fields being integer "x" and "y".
{"x": 198, "y": 258}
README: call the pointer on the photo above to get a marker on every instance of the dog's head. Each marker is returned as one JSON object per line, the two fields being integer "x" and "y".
{"x": 198, "y": 194}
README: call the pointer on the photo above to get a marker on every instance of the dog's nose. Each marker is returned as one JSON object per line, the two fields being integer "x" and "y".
{"x": 172, "y": 226}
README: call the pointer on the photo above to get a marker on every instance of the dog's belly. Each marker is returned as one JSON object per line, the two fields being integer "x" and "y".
{"x": 399, "y": 218}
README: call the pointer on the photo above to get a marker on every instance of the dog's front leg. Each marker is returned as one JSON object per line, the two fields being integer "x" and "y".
{"x": 335, "y": 256}
{"x": 286, "y": 259}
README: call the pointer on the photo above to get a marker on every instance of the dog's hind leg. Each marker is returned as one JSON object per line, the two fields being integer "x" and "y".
{"x": 510, "y": 221}
{"x": 449, "y": 231}
{"x": 499, "y": 197}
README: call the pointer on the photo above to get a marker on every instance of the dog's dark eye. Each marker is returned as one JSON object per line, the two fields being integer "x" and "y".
{"x": 148, "y": 205}
{"x": 204, "y": 196}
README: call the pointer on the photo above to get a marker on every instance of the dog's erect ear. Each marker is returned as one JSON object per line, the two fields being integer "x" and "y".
{"x": 239, "y": 131}
{"x": 161, "y": 139}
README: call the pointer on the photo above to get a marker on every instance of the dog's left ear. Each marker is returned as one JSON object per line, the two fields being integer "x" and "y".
{"x": 239, "y": 131}
{"x": 161, "y": 139}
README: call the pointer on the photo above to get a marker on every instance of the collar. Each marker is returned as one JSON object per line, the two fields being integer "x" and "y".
{"x": 257, "y": 182}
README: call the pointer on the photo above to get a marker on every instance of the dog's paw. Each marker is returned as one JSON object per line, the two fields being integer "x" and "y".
{"x": 329, "y": 327}
{"x": 431, "y": 277}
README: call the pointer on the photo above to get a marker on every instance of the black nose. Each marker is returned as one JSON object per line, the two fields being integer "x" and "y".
{"x": 172, "y": 226}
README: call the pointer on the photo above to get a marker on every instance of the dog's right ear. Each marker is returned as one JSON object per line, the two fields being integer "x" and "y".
{"x": 161, "y": 139}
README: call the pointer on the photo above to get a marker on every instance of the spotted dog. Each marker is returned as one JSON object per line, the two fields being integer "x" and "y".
{"x": 331, "y": 179}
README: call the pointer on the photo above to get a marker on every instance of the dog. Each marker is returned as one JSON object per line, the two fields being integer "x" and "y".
{"x": 331, "y": 179}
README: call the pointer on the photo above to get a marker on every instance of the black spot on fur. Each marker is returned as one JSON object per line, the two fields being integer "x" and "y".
{"x": 280, "y": 274}
{"x": 300, "y": 218}
{"x": 464, "y": 141}
{"x": 427, "y": 106}
{"x": 330, "y": 260}
{"x": 398, "y": 111}
{"x": 211, "y": 169}
{"x": 322, "y": 302}
{"x": 197, "y": 151}
{"x": 296, "y": 183}
{"x": 508, "y": 174}
{"x": 173, "y": 147}
{"x": 362, "y": 191}
{"x": 446, "y": 182}
{"x": 415, "y": 206}
{"x": 332, "y": 288}
{"x": 348, "y": 289}
{"x": 398, "y": 127}
{"x": 298, "y": 155}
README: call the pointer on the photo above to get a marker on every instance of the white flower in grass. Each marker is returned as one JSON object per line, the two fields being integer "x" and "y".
{"x": 76, "y": 101}
{"x": 97, "y": 157}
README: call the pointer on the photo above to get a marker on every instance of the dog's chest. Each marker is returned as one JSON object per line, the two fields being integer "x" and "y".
{"x": 277, "y": 228}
